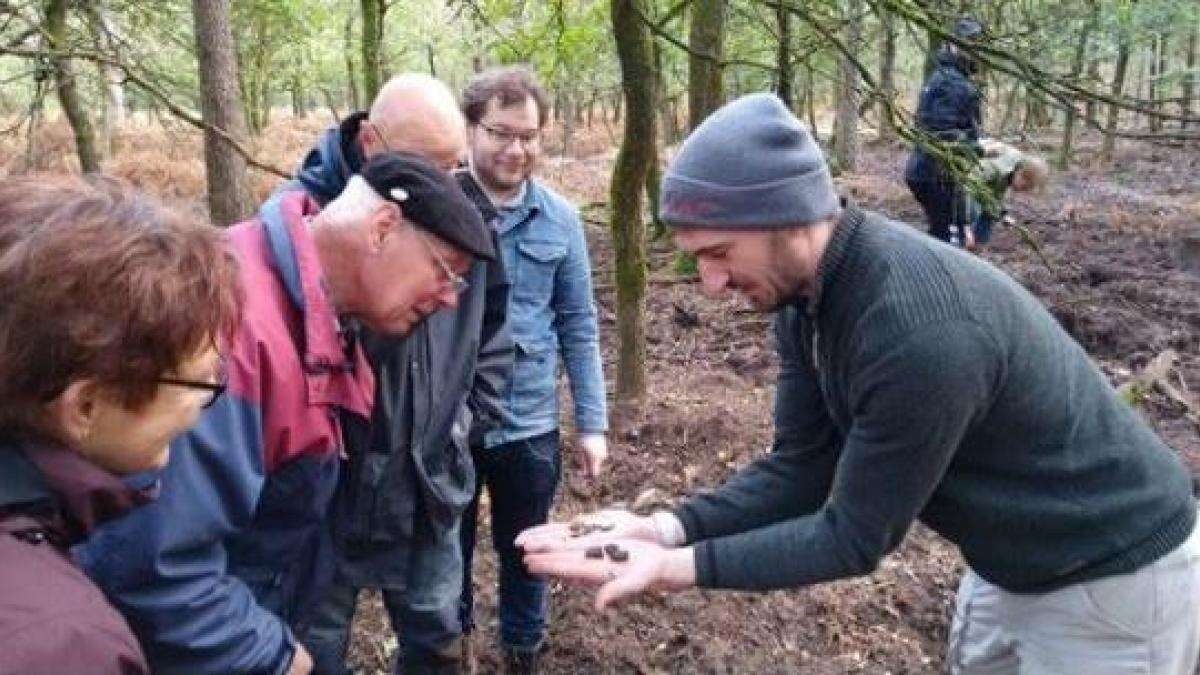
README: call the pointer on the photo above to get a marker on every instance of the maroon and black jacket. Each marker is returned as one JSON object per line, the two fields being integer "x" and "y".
{"x": 52, "y": 618}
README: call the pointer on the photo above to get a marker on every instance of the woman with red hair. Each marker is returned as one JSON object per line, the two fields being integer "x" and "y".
{"x": 111, "y": 311}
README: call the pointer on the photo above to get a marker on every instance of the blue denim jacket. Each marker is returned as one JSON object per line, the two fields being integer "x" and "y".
{"x": 551, "y": 311}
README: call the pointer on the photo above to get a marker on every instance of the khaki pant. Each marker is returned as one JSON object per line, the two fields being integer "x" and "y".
{"x": 1144, "y": 622}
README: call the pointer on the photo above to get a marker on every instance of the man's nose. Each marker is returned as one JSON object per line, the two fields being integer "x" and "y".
{"x": 713, "y": 281}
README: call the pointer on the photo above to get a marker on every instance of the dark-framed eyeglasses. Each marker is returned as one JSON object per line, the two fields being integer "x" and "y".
{"x": 458, "y": 283}
{"x": 527, "y": 139}
{"x": 214, "y": 389}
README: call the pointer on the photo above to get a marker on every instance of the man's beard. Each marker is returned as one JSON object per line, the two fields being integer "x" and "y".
{"x": 785, "y": 276}
{"x": 496, "y": 182}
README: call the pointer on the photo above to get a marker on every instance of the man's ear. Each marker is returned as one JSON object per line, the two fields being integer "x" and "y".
{"x": 75, "y": 410}
{"x": 368, "y": 139}
{"x": 386, "y": 221}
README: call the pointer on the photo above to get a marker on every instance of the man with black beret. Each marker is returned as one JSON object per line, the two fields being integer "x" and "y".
{"x": 409, "y": 474}
{"x": 226, "y": 571}
{"x": 917, "y": 382}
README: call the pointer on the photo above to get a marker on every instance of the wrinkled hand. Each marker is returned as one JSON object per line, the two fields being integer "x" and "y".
{"x": 616, "y": 524}
{"x": 649, "y": 567}
{"x": 593, "y": 452}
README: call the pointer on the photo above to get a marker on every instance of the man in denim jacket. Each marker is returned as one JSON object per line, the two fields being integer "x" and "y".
{"x": 551, "y": 313}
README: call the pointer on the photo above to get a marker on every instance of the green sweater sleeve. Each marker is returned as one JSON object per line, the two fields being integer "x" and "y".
{"x": 911, "y": 406}
{"x": 794, "y": 477}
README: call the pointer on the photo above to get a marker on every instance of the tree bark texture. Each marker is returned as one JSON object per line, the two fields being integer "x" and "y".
{"x": 225, "y": 169}
{"x": 1077, "y": 65}
{"x": 783, "y": 59}
{"x": 351, "y": 72}
{"x": 1189, "y": 81}
{"x": 68, "y": 92}
{"x": 372, "y": 43}
{"x": 845, "y": 146}
{"x": 1118, "y": 86}
{"x": 706, "y": 40}
{"x": 887, "y": 75}
{"x": 628, "y": 180}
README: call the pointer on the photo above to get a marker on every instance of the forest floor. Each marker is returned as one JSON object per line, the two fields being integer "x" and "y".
{"x": 1108, "y": 275}
{"x": 1105, "y": 270}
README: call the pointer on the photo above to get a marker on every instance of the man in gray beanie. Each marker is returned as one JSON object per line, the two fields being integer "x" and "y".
{"x": 917, "y": 382}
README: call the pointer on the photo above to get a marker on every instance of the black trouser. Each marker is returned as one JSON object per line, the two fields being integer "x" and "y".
{"x": 944, "y": 201}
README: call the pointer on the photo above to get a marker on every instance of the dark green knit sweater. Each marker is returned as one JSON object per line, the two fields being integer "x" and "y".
{"x": 921, "y": 382}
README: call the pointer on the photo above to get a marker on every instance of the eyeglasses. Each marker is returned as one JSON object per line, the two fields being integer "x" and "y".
{"x": 458, "y": 283}
{"x": 527, "y": 139}
{"x": 214, "y": 389}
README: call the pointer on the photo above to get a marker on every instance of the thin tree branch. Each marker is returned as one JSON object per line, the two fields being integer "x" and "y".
{"x": 175, "y": 109}
{"x": 656, "y": 30}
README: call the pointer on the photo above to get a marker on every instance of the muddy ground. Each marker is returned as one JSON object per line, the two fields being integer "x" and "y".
{"x": 1105, "y": 269}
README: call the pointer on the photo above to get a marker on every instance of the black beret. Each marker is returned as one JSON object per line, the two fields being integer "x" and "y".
{"x": 431, "y": 199}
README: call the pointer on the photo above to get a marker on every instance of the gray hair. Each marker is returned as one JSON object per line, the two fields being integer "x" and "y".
{"x": 354, "y": 205}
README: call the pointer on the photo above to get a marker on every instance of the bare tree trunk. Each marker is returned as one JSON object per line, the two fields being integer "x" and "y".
{"x": 68, "y": 93}
{"x": 887, "y": 75}
{"x": 264, "y": 98}
{"x": 1094, "y": 83}
{"x": 628, "y": 182}
{"x": 113, "y": 110}
{"x": 1158, "y": 87}
{"x": 783, "y": 60}
{"x": 564, "y": 103}
{"x": 1189, "y": 81}
{"x": 228, "y": 199}
{"x": 810, "y": 98}
{"x": 706, "y": 40}
{"x": 299, "y": 98}
{"x": 1118, "y": 86}
{"x": 351, "y": 75}
{"x": 1010, "y": 107}
{"x": 372, "y": 44}
{"x": 666, "y": 126}
{"x": 1064, "y": 155}
{"x": 845, "y": 146}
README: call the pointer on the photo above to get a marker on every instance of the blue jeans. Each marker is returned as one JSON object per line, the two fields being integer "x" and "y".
{"x": 425, "y": 615}
{"x": 521, "y": 478}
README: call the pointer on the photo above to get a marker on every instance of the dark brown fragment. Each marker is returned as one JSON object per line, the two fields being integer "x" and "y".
{"x": 594, "y": 553}
{"x": 616, "y": 553}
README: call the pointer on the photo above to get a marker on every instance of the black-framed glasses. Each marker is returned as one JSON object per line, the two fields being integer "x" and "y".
{"x": 527, "y": 139}
{"x": 214, "y": 389}
{"x": 458, "y": 283}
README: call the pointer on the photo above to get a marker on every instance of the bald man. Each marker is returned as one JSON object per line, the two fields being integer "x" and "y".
{"x": 408, "y": 475}
{"x": 412, "y": 113}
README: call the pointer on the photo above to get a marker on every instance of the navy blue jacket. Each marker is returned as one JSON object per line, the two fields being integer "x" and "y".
{"x": 949, "y": 109}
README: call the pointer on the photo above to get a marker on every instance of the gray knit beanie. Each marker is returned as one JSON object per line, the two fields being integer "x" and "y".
{"x": 750, "y": 165}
